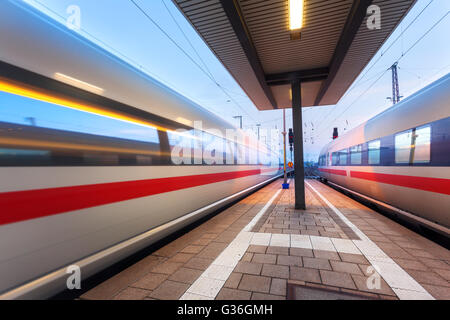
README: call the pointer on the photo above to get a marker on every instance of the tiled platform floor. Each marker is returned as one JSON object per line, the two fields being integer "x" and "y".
{"x": 253, "y": 249}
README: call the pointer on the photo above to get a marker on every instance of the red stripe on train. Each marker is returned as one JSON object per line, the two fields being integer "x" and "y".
{"x": 334, "y": 171}
{"x": 31, "y": 204}
{"x": 422, "y": 183}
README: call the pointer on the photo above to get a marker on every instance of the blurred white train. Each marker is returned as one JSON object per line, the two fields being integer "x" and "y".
{"x": 400, "y": 159}
{"x": 86, "y": 174}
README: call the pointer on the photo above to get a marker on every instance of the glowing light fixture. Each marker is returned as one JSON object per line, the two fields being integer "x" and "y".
{"x": 184, "y": 121}
{"x": 78, "y": 83}
{"x": 296, "y": 14}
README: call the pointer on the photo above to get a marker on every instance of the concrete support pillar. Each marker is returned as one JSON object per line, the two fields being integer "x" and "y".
{"x": 298, "y": 145}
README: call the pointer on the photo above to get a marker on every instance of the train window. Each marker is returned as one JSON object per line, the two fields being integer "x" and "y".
{"x": 374, "y": 152}
{"x": 403, "y": 146}
{"x": 44, "y": 134}
{"x": 334, "y": 159}
{"x": 181, "y": 146}
{"x": 213, "y": 149}
{"x": 421, "y": 143}
{"x": 26, "y": 111}
{"x": 343, "y": 157}
{"x": 413, "y": 146}
{"x": 355, "y": 154}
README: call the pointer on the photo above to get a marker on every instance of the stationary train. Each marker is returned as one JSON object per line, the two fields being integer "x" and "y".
{"x": 400, "y": 159}
{"x": 87, "y": 168}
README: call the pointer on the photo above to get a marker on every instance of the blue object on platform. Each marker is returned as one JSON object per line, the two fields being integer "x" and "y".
{"x": 285, "y": 185}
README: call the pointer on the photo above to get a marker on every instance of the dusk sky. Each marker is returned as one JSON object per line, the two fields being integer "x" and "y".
{"x": 121, "y": 28}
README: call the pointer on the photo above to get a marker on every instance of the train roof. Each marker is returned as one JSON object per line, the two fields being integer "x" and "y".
{"x": 49, "y": 49}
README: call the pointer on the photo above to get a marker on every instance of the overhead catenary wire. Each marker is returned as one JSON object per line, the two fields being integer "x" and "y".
{"x": 191, "y": 59}
{"x": 400, "y": 58}
{"x": 400, "y": 36}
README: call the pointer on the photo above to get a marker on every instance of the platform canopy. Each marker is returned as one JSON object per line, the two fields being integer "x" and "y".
{"x": 254, "y": 41}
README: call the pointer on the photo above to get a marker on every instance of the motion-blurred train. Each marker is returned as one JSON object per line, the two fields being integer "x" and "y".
{"x": 87, "y": 175}
{"x": 400, "y": 159}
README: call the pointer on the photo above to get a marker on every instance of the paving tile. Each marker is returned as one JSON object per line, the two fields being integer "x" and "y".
{"x": 316, "y": 263}
{"x": 169, "y": 290}
{"x": 444, "y": 273}
{"x": 301, "y": 252}
{"x": 257, "y": 249}
{"x": 150, "y": 281}
{"x": 428, "y": 277}
{"x": 233, "y": 294}
{"x": 301, "y": 241}
{"x": 248, "y": 256}
{"x": 210, "y": 236}
{"x": 255, "y": 283}
{"x": 345, "y": 246}
{"x": 412, "y": 295}
{"x": 371, "y": 284}
{"x": 434, "y": 263}
{"x": 167, "y": 267}
{"x": 198, "y": 263}
{"x": 132, "y": 294}
{"x": 168, "y": 250}
{"x": 289, "y": 261}
{"x": 280, "y": 240}
{"x": 337, "y": 279}
{"x": 192, "y": 249}
{"x": 185, "y": 275}
{"x": 233, "y": 280}
{"x": 181, "y": 257}
{"x": 419, "y": 253}
{"x": 396, "y": 277}
{"x": 275, "y": 271}
{"x": 109, "y": 288}
{"x": 304, "y": 274}
{"x": 346, "y": 267}
{"x": 411, "y": 264}
{"x": 205, "y": 287}
{"x": 353, "y": 258}
{"x": 262, "y": 239}
{"x": 438, "y": 292}
{"x": 277, "y": 250}
{"x": 201, "y": 242}
{"x": 278, "y": 287}
{"x": 326, "y": 255}
{"x": 212, "y": 250}
{"x": 248, "y": 267}
{"x": 310, "y": 232}
{"x": 265, "y": 296}
{"x": 217, "y": 272}
{"x": 264, "y": 258}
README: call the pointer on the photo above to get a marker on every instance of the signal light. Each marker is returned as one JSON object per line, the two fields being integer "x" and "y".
{"x": 291, "y": 137}
{"x": 335, "y": 133}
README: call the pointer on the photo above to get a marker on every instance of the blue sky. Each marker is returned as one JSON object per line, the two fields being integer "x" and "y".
{"x": 120, "y": 28}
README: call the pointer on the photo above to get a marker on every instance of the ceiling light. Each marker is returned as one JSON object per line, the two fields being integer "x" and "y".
{"x": 296, "y": 14}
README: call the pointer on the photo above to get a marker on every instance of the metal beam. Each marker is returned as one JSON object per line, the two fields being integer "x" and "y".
{"x": 354, "y": 21}
{"x": 235, "y": 16}
{"x": 285, "y": 82}
{"x": 298, "y": 145}
{"x": 302, "y": 75}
